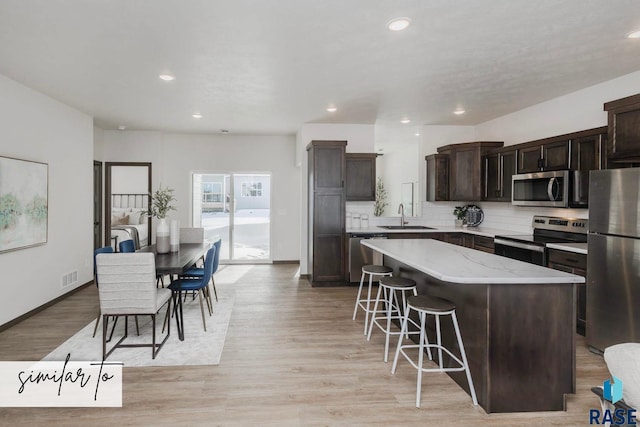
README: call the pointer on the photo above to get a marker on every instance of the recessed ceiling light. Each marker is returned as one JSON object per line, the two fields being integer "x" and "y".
{"x": 122, "y": 127}
{"x": 417, "y": 133}
{"x": 398, "y": 24}
{"x": 166, "y": 77}
{"x": 459, "y": 111}
{"x": 405, "y": 121}
{"x": 196, "y": 115}
{"x": 634, "y": 34}
{"x": 332, "y": 109}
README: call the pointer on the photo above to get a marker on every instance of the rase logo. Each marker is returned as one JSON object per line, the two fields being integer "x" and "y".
{"x": 612, "y": 392}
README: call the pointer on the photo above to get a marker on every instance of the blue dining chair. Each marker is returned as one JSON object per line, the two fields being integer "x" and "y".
{"x": 199, "y": 272}
{"x": 194, "y": 284}
{"x": 127, "y": 246}
{"x": 103, "y": 250}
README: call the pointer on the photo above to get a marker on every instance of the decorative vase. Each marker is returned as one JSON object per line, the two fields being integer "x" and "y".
{"x": 174, "y": 236}
{"x": 162, "y": 237}
{"x": 459, "y": 222}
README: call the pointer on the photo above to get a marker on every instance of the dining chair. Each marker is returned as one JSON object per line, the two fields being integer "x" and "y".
{"x": 195, "y": 284}
{"x": 192, "y": 235}
{"x": 127, "y": 246}
{"x": 199, "y": 272}
{"x": 127, "y": 288}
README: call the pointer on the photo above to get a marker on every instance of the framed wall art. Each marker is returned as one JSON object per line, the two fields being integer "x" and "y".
{"x": 23, "y": 203}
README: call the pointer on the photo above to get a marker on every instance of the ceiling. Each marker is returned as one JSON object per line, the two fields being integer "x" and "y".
{"x": 269, "y": 66}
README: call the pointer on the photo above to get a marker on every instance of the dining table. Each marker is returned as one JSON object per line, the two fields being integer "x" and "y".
{"x": 175, "y": 263}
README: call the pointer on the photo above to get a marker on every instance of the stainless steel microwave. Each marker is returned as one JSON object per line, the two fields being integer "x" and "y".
{"x": 542, "y": 189}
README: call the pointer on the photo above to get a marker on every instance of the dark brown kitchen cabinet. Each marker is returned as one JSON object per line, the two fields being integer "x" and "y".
{"x": 459, "y": 239}
{"x": 435, "y": 236}
{"x": 326, "y": 198}
{"x": 484, "y": 244}
{"x": 437, "y": 177}
{"x": 586, "y": 155}
{"x": 574, "y": 263}
{"x": 543, "y": 156}
{"x": 499, "y": 167}
{"x": 624, "y": 129}
{"x": 361, "y": 176}
{"x": 466, "y": 168}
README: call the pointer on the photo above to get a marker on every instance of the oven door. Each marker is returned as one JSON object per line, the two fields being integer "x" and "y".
{"x": 541, "y": 189}
{"x": 521, "y": 251}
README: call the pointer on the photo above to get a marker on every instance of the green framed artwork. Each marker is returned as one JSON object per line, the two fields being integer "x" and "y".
{"x": 23, "y": 203}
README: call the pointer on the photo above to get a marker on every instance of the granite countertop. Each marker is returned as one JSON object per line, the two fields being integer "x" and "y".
{"x": 457, "y": 264}
{"x": 579, "y": 248}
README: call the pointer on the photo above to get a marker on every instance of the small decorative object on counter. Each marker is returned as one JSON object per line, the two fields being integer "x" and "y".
{"x": 160, "y": 206}
{"x": 349, "y": 220}
{"x": 475, "y": 216}
{"x": 356, "y": 220}
{"x": 364, "y": 221}
{"x": 381, "y": 198}
{"x": 461, "y": 215}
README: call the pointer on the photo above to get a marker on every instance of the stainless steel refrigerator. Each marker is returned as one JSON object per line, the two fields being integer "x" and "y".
{"x": 613, "y": 270}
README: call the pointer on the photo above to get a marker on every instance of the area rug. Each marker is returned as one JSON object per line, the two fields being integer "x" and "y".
{"x": 198, "y": 348}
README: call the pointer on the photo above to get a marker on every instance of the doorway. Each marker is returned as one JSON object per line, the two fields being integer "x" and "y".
{"x": 235, "y": 207}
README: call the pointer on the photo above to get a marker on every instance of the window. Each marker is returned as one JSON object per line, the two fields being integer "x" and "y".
{"x": 211, "y": 192}
{"x": 251, "y": 189}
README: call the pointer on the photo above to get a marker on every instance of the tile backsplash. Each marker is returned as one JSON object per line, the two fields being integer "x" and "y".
{"x": 502, "y": 216}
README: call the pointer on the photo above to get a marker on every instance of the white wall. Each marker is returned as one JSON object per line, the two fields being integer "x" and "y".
{"x": 175, "y": 157}
{"x": 569, "y": 113}
{"x": 36, "y": 127}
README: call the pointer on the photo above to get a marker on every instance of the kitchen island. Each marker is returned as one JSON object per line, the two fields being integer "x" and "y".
{"x": 517, "y": 320}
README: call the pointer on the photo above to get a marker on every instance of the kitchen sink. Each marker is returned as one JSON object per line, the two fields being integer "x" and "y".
{"x": 405, "y": 227}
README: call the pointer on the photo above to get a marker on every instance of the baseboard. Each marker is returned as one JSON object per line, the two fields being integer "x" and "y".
{"x": 292, "y": 261}
{"x": 42, "y": 307}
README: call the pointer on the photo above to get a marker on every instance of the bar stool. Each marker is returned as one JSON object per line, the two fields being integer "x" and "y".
{"x": 437, "y": 307}
{"x": 371, "y": 270}
{"x": 390, "y": 290}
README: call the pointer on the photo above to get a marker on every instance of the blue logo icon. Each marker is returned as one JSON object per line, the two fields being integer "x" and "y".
{"x": 612, "y": 389}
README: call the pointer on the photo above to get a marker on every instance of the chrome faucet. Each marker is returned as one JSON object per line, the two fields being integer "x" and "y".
{"x": 401, "y": 212}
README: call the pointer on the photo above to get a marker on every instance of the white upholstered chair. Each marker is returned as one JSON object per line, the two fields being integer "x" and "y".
{"x": 127, "y": 287}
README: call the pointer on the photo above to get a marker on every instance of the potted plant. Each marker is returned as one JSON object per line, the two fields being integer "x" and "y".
{"x": 461, "y": 214}
{"x": 160, "y": 206}
{"x": 381, "y": 198}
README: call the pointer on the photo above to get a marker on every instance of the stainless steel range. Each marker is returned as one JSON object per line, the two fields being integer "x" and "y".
{"x": 546, "y": 229}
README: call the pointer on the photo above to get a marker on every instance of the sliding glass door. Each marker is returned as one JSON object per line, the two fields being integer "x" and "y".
{"x": 237, "y": 208}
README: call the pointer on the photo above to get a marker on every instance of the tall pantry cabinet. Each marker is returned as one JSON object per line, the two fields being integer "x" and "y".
{"x": 326, "y": 198}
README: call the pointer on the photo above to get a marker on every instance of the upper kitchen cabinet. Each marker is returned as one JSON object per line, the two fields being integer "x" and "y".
{"x": 624, "y": 129}
{"x": 545, "y": 155}
{"x": 326, "y": 211}
{"x": 500, "y": 165}
{"x": 361, "y": 176}
{"x": 437, "y": 177}
{"x": 466, "y": 168}
{"x": 586, "y": 155}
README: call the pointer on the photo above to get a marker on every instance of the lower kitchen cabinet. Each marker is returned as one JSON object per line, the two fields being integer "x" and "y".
{"x": 484, "y": 244}
{"x": 573, "y": 263}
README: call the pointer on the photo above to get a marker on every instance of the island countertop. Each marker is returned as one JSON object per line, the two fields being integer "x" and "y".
{"x": 457, "y": 264}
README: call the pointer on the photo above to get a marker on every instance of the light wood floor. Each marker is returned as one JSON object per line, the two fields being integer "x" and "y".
{"x": 293, "y": 356}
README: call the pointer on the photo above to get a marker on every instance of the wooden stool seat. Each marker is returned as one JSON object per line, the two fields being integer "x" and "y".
{"x": 431, "y": 304}
{"x": 397, "y": 282}
{"x": 376, "y": 269}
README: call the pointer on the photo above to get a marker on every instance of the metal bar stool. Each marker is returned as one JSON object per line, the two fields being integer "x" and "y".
{"x": 371, "y": 270}
{"x": 437, "y": 307}
{"x": 390, "y": 290}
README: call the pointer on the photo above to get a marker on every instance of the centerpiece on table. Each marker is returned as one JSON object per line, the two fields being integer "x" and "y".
{"x": 160, "y": 206}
